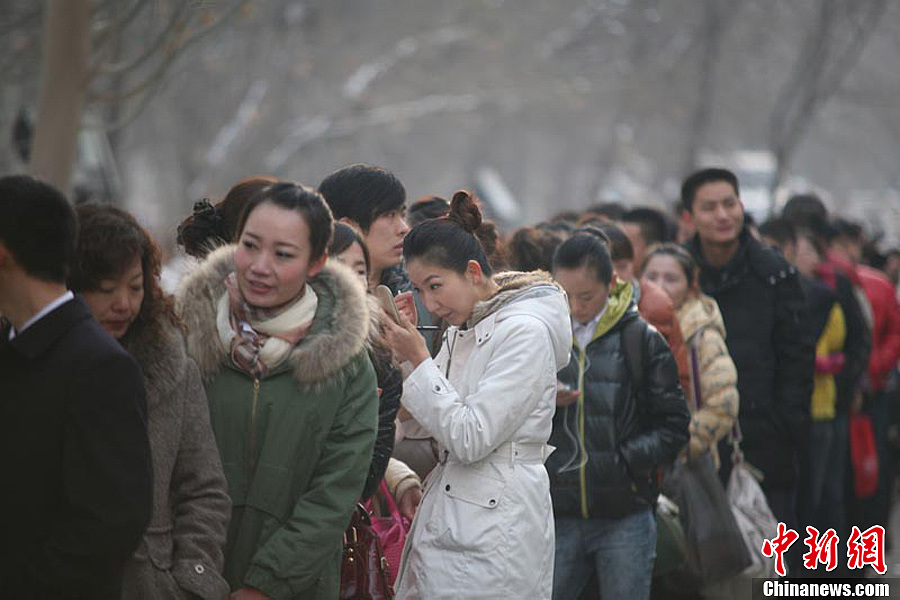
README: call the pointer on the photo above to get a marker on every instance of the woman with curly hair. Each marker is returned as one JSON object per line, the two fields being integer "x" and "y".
{"x": 116, "y": 270}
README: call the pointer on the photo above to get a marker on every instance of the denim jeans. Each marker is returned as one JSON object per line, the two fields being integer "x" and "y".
{"x": 620, "y": 551}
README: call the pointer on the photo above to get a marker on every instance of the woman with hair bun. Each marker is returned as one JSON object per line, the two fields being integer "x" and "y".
{"x": 488, "y": 398}
{"x": 280, "y": 340}
{"x": 211, "y": 226}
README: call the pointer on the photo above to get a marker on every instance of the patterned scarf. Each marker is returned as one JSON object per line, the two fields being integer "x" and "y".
{"x": 262, "y": 338}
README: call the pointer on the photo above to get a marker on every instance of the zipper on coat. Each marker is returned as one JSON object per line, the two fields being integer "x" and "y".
{"x": 253, "y": 410}
{"x": 582, "y": 475}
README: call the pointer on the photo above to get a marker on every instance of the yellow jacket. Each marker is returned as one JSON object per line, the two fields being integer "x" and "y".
{"x": 831, "y": 341}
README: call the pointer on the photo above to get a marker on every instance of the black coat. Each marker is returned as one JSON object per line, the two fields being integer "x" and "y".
{"x": 74, "y": 457}
{"x": 629, "y": 432}
{"x": 770, "y": 341}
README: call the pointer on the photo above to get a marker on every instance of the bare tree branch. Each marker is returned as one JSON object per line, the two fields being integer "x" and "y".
{"x": 117, "y": 26}
{"x": 170, "y": 56}
{"x": 718, "y": 18}
{"x": 829, "y": 52}
{"x": 151, "y": 50}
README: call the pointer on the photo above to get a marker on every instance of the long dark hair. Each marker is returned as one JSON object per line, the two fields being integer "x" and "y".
{"x": 450, "y": 242}
{"x": 109, "y": 241}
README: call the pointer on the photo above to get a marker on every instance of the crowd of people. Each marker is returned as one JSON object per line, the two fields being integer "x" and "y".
{"x": 523, "y": 406}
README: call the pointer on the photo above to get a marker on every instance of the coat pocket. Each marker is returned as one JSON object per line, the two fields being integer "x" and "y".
{"x": 473, "y": 512}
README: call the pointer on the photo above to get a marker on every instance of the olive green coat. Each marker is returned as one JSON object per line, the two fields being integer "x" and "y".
{"x": 295, "y": 445}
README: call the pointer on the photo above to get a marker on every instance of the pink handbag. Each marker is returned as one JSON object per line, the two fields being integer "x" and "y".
{"x": 392, "y": 531}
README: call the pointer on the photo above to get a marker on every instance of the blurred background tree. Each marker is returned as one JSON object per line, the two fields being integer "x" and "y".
{"x": 565, "y": 103}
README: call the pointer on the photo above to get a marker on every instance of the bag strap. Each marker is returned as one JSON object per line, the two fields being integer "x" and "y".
{"x": 633, "y": 346}
{"x": 694, "y": 346}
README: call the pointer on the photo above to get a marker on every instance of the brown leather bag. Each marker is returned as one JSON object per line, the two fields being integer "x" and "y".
{"x": 364, "y": 568}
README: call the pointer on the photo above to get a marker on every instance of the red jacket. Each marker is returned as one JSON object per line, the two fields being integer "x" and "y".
{"x": 886, "y": 318}
{"x": 656, "y": 308}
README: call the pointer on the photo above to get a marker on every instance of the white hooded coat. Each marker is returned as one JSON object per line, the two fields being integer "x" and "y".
{"x": 484, "y": 528}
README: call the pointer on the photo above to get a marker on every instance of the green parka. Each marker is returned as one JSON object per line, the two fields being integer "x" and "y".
{"x": 295, "y": 445}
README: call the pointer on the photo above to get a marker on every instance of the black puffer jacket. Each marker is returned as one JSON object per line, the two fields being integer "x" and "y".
{"x": 766, "y": 315}
{"x": 612, "y": 441}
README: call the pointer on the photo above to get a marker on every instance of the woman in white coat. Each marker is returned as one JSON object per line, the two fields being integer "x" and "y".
{"x": 485, "y": 525}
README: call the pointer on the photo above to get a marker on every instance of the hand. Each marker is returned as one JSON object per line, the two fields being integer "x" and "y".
{"x": 565, "y": 397}
{"x": 247, "y": 593}
{"x": 406, "y": 342}
{"x": 406, "y": 306}
{"x": 409, "y": 502}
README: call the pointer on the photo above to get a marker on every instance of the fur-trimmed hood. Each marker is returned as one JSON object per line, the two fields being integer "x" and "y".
{"x": 534, "y": 293}
{"x": 339, "y": 330}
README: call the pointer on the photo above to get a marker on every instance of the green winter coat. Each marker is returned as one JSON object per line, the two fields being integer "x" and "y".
{"x": 295, "y": 445}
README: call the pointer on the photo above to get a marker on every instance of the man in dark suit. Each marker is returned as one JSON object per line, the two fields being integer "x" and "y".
{"x": 76, "y": 483}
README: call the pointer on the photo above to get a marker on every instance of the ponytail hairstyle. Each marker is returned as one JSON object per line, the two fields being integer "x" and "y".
{"x": 588, "y": 247}
{"x": 684, "y": 258}
{"x": 211, "y": 225}
{"x": 450, "y": 242}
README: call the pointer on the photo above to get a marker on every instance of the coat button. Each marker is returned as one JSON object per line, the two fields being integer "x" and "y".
{"x": 200, "y": 569}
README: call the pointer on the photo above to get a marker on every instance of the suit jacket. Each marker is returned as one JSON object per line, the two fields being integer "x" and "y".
{"x": 74, "y": 459}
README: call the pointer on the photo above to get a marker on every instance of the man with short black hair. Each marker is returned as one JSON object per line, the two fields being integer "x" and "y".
{"x": 372, "y": 200}
{"x": 765, "y": 310}
{"x": 645, "y": 227}
{"x": 74, "y": 452}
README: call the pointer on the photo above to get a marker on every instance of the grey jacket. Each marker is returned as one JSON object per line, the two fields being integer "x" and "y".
{"x": 180, "y": 555}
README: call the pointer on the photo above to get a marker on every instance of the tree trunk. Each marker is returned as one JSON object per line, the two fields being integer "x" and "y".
{"x": 63, "y": 87}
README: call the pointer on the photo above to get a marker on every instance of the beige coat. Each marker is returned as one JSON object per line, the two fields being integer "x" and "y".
{"x": 180, "y": 555}
{"x": 703, "y": 329}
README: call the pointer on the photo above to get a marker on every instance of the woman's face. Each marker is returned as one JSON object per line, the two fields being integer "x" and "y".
{"x": 586, "y": 293}
{"x": 666, "y": 272}
{"x": 272, "y": 261}
{"x": 354, "y": 258}
{"x": 116, "y": 303}
{"x": 446, "y": 293}
{"x": 806, "y": 258}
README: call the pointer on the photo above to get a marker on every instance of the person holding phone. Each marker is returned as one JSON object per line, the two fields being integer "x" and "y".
{"x": 348, "y": 247}
{"x": 488, "y": 397}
